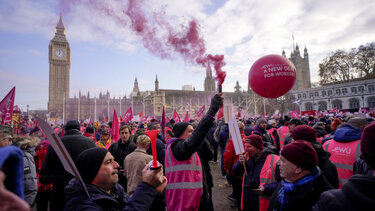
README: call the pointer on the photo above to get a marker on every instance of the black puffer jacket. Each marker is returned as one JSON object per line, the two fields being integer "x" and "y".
{"x": 357, "y": 194}
{"x": 326, "y": 166}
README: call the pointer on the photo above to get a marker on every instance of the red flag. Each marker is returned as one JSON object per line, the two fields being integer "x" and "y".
{"x": 200, "y": 113}
{"x": 6, "y": 107}
{"x": 128, "y": 115}
{"x": 220, "y": 114}
{"x": 144, "y": 119}
{"x": 176, "y": 117}
{"x": 34, "y": 124}
{"x": 141, "y": 114}
{"x": 115, "y": 133}
{"x": 186, "y": 119}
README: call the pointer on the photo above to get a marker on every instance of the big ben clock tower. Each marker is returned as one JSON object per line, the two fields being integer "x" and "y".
{"x": 59, "y": 71}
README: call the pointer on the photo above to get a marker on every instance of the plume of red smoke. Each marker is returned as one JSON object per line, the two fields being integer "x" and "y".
{"x": 185, "y": 41}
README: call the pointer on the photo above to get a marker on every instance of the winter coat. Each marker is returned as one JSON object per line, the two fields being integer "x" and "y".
{"x": 223, "y": 137}
{"x": 252, "y": 180}
{"x": 230, "y": 157}
{"x": 206, "y": 154}
{"x": 304, "y": 198}
{"x": 361, "y": 167}
{"x": 77, "y": 198}
{"x": 347, "y": 133}
{"x": 357, "y": 194}
{"x": 74, "y": 143}
{"x": 133, "y": 166}
{"x": 28, "y": 145}
{"x": 120, "y": 150}
{"x": 184, "y": 149}
{"x": 320, "y": 133}
{"x": 328, "y": 169}
{"x": 40, "y": 158}
{"x": 11, "y": 163}
{"x": 267, "y": 140}
{"x": 248, "y": 129}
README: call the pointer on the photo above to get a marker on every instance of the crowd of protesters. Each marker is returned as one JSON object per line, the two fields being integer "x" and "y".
{"x": 308, "y": 163}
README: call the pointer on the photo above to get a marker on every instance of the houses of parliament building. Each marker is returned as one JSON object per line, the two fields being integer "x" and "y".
{"x": 82, "y": 107}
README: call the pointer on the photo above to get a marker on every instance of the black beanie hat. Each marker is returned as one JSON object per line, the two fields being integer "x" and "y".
{"x": 179, "y": 129}
{"x": 72, "y": 124}
{"x": 89, "y": 161}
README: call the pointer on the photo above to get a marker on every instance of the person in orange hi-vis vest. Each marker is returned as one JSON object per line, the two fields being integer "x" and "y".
{"x": 345, "y": 147}
{"x": 260, "y": 169}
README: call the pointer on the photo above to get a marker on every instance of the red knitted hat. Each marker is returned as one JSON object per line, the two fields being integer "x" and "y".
{"x": 304, "y": 132}
{"x": 255, "y": 140}
{"x": 301, "y": 153}
{"x": 368, "y": 145}
{"x": 335, "y": 123}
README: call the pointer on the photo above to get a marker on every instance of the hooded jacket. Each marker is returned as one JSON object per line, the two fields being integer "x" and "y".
{"x": 357, "y": 194}
{"x": 347, "y": 133}
{"x": 28, "y": 145}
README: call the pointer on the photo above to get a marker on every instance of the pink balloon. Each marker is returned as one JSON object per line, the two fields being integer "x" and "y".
{"x": 272, "y": 76}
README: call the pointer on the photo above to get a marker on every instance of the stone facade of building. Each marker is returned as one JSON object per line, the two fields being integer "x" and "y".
{"x": 347, "y": 96}
{"x": 302, "y": 65}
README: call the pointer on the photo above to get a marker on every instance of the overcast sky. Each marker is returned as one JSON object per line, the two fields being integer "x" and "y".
{"x": 107, "y": 55}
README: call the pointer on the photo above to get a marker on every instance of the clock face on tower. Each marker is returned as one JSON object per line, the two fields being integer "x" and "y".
{"x": 59, "y": 53}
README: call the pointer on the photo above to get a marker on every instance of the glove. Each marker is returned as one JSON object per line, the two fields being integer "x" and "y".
{"x": 216, "y": 104}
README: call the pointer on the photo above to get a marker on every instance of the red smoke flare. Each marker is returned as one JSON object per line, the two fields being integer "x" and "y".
{"x": 158, "y": 35}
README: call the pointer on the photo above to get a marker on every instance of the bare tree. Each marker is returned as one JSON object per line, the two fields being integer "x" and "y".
{"x": 342, "y": 66}
{"x": 365, "y": 60}
{"x": 336, "y": 68}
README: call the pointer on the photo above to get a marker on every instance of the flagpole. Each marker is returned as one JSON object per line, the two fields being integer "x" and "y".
{"x": 79, "y": 108}
{"x": 63, "y": 117}
{"x": 264, "y": 106}
{"x": 95, "y": 109}
{"x": 132, "y": 102}
{"x": 108, "y": 107}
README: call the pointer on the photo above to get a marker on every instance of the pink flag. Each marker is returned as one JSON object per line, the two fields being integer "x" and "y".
{"x": 115, "y": 133}
{"x": 168, "y": 120}
{"x": 128, "y": 115}
{"x": 186, "y": 119}
{"x": 6, "y": 107}
{"x": 200, "y": 113}
{"x": 144, "y": 118}
{"x": 176, "y": 117}
{"x": 294, "y": 114}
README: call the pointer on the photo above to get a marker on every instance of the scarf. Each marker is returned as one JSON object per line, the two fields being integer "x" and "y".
{"x": 288, "y": 187}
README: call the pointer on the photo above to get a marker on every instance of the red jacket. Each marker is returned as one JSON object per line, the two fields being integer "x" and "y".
{"x": 230, "y": 157}
{"x": 90, "y": 136}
